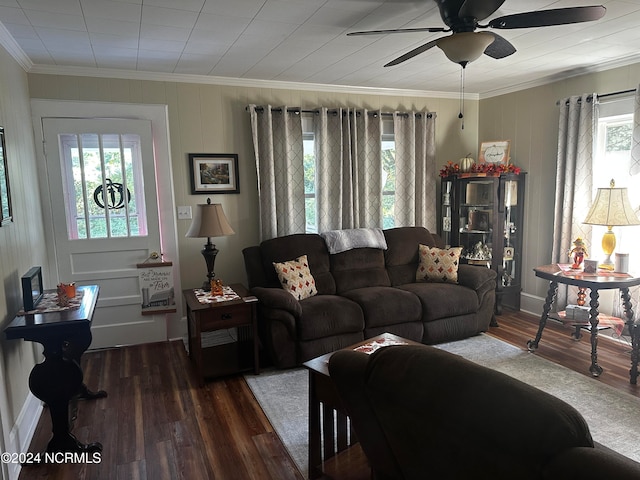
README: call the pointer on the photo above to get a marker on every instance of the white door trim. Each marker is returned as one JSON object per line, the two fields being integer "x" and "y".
{"x": 158, "y": 115}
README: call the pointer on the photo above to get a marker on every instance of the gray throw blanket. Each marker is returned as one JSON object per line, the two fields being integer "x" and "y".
{"x": 342, "y": 240}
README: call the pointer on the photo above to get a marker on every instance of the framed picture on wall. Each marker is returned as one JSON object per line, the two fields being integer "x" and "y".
{"x": 214, "y": 173}
{"x": 496, "y": 151}
{"x": 6, "y": 213}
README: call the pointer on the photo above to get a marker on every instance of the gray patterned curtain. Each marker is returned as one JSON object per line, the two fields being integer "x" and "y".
{"x": 348, "y": 169}
{"x": 278, "y": 148}
{"x": 574, "y": 172}
{"x": 634, "y": 170}
{"x": 416, "y": 175}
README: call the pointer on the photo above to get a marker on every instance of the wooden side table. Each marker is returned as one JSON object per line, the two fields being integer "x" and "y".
{"x": 227, "y": 358}
{"x": 332, "y": 435}
{"x": 601, "y": 280}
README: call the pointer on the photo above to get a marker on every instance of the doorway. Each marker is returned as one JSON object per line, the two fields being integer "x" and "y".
{"x": 102, "y": 174}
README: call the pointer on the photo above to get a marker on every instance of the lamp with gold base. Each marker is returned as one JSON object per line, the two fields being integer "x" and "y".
{"x": 610, "y": 208}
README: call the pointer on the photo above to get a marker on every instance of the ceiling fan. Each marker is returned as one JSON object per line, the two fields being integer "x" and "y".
{"x": 462, "y": 17}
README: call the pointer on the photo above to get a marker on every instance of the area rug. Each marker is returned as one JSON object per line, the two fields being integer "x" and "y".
{"x": 613, "y": 416}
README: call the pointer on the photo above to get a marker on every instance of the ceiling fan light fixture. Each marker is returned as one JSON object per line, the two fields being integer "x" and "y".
{"x": 465, "y": 47}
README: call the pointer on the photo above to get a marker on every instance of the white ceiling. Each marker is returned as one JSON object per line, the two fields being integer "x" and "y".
{"x": 303, "y": 41}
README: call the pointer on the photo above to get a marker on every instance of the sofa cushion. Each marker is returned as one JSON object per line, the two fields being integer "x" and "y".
{"x": 282, "y": 249}
{"x": 441, "y": 300}
{"x": 296, "y": 277}
{"x": 386, "y": 305}
{"x": 328, "y": 315}
{"x": 358, "y": 268}
{"x": 438, "y": 264}
{"x": 401, "y": 256}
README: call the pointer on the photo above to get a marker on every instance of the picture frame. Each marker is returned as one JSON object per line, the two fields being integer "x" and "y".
{"x": 6, "y": 211}
{"x": 32, "y": 288}
{"x": 496, "y": 151}
{"x": 214, "y": 173}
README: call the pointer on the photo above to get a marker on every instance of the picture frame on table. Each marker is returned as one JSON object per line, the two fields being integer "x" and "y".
{"x": 496, "y": 151}
{"x": 32, "y": 288}
{"x": 214, "y": 173}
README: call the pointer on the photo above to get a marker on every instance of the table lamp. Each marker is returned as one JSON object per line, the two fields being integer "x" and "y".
{"x": 610, "y": 208}
{"x": 209, "y": 221}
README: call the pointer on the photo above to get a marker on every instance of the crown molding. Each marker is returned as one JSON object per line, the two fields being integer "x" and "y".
{"x": 239, "y": 82}
{"x": 9, "y": 43}
{"x": 564, "y": 75}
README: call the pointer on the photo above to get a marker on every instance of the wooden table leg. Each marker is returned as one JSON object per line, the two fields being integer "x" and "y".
{"x": 315, "y": 454}
{"x": 532, "y": 345}
{"x": 634, "y": 331}
{"x": 595, "y": 369}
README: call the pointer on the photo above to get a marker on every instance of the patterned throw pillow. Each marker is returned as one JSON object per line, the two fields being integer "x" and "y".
{"x": 296, "y": 277}
{"x": 438, "y": 265}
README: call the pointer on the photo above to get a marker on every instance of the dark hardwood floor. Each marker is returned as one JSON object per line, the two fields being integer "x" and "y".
{"x": 157, "y": 424}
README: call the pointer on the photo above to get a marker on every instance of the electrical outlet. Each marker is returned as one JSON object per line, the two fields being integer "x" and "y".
{"x": 184, "y": 213}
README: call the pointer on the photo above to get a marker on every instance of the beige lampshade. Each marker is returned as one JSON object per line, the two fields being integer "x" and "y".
{"x": 209, "y": 220}
{"x": 465, "y": 47}
{"x": 612, "y": 207}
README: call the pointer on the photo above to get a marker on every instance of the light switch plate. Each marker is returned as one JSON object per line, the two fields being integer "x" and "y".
{"x": 184, "y": 213}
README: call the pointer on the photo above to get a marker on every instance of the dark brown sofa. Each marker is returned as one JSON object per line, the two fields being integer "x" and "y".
{"x": 420, "y": 413}
{"x": 361, "y": 293}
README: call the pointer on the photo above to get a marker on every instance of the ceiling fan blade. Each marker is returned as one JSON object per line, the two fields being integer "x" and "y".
{"x": 546, "y": 18}
{"x": 413, "y": 53}
{"x": 500, "y": 48}
{"x": 479, "y": 9}
{"x": 399, "y": 30}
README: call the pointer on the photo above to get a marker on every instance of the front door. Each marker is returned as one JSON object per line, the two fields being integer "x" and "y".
{"x": 102, "y": 189}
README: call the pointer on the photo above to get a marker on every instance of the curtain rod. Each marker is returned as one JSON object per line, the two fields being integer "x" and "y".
{"x": 335, "y": 112}
{"x": 604, "y": 95}
{"x": 621, "y": 92}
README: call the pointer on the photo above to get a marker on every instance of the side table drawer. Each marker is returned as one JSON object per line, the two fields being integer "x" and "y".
{"x": 226, "y": 317}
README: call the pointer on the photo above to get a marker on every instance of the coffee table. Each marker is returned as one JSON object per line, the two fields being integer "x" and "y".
{"x": 333, "y": 434}
{"x": 594, "y": 282}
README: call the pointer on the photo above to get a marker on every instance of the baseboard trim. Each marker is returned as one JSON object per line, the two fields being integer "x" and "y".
{"x": 22, "y": 432}
{"x": 531, "y": 303}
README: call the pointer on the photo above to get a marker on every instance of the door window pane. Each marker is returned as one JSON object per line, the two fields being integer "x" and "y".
{"x": 103, "y": 186}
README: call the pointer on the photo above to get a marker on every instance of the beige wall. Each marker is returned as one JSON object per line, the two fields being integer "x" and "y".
{"x": 213, "y": 119}
{"x": 20, "y": 241}
{"x": 529, "y": 118}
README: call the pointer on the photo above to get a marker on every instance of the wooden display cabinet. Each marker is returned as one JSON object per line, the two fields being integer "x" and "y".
{"x": 483, "y": 215}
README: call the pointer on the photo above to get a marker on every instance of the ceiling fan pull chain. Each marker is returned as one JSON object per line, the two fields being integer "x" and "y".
{"x": 461, "y": 114}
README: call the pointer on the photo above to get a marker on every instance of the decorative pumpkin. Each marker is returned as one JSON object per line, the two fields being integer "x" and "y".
{"x": 466, "y": 163}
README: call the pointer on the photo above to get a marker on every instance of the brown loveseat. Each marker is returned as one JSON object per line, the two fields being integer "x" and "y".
{"x": 362, "y": 293}
{"x": 420, "y": 413}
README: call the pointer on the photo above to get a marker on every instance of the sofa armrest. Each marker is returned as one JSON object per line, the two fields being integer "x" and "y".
{"x": 277, "y": 298}
{"x": 476, "y": 278}
{"x": 585, "y": 463}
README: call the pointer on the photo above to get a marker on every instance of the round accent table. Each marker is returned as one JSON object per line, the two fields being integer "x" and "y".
{"x": 594, "y": 282}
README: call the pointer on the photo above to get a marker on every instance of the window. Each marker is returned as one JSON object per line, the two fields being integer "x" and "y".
{"x": 103, "y": 174}
{"x": 309, "y": 182}
{"x": 612, "y": 160}
{"x": 388, "y": 173}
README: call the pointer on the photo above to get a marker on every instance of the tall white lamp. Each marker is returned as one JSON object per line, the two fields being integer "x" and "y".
{"x": 610, "y": 208}
{"x": 209, "y": 221}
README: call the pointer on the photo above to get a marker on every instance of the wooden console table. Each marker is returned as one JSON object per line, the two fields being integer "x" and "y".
{"x": 65, "y": 335}
{"x": 594, "y": 282}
